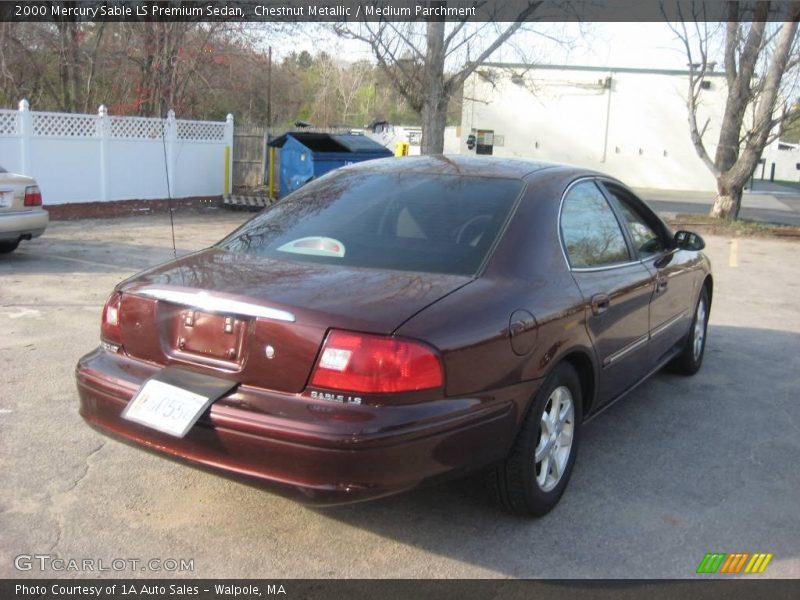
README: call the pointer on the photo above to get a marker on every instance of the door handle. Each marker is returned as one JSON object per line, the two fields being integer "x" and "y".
{"x": 661, "y": 283}
{"x": 600, "y": 303}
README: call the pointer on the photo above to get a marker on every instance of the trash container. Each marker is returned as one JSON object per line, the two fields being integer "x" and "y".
{"x": 306, "y": 156}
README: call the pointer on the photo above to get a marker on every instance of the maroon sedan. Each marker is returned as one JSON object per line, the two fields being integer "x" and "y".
{"x": 400, "y": 321}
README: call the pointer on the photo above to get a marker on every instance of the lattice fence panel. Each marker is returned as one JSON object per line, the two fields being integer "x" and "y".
{"x": 8, "y": 122}
{"x": 136, "y": 128}
{"x": 63, "y": 125}
{"x": 210, "y": 131}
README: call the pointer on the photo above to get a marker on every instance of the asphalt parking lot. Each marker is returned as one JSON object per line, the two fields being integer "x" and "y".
{"x": 681, "y": 467}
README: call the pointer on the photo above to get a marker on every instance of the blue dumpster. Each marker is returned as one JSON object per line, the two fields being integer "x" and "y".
{"x": 306, "y": 156}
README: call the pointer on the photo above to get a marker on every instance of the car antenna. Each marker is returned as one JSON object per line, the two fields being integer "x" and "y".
{"x": 166, "y": 173}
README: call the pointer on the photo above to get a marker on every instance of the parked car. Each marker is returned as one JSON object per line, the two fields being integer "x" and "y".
{"x": 21, "y": 214}
{"x": 401, "y": 321}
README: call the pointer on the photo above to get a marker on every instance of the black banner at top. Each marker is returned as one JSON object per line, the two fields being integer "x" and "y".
{"x": 395, "y": 10}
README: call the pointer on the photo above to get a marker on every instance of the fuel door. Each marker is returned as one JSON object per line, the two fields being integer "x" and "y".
{"x": 522, "y": 331}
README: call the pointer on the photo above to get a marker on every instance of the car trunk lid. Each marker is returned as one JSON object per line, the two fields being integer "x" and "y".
{"x": 12, "y": 192}
{"x": 262, "y": 321}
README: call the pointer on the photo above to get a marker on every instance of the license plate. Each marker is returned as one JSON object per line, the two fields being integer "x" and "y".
{"x": 173, "y": 400}
{"x": 5, "y": 199}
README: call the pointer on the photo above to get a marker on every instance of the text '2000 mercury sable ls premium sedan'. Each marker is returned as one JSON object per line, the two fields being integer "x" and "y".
{"x": 399, "y": 321}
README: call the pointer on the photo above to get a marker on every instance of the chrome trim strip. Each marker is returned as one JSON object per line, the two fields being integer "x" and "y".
{"x": 606, "y": 267}
{"x": 558, "y": 219}
{"x": 561, "y": 240}
{"x": 609, "y": 360}
{"x": 214, "y": 304}
{"x": 667, "y": 324}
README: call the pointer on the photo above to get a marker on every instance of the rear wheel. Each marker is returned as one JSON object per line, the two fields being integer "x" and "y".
{"x": 6, "y": 247}
{"x": 537, "y": 469}
{"x": 689, "y": 361}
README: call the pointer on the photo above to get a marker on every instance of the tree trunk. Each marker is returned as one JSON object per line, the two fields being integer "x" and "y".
{"x": 435, "y": 100}
{"x": 434, "y": 121}
{"x": 728, "y": 201}
{"x": 70, "y": 68}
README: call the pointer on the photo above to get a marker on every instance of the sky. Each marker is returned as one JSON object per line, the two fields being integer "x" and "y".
{"x": 645, "y": 45}
{"x": 651, "y": 45}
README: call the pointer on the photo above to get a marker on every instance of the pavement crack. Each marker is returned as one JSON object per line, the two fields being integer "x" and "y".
{"x": 86, "y": 466}
{"x": 59, "y": 533}
{"x": 56, "y": 510}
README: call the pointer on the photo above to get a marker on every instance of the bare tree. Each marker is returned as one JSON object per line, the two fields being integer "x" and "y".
{"x": 350, "y": 78}
{"x": 758, "y": 58}
{"x": 427, "y": 63}
{"x": 69, "y": 63}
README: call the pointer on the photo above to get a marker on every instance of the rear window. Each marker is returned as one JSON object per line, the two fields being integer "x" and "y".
{"x": 2, "y": 170}
{"x": 410, "y": 222}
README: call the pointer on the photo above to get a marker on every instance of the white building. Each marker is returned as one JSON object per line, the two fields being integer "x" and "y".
{"x": 780, "y": 161}
{"x": 629, "y": 123}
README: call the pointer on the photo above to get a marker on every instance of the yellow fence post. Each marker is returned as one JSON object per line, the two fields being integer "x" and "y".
{"x": 271, "y": 173}
{"x": 227, "y": 170}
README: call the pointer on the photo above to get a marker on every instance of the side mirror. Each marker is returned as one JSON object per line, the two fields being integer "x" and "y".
{"x": 688, "y": 240}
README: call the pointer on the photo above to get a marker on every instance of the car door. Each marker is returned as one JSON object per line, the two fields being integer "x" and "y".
{"x": 616, "y": 287}
{"x": 670, "y": 311}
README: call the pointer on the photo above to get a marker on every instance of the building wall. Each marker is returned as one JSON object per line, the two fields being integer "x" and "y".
{"x": 629, "y": 123}
{"x": 784, "y": 159}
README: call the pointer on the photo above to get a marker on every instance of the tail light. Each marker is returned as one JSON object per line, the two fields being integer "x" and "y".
{"x": 376, "y": 364}
{"x": 33, "y": 196}
{"x": 110, "y": 332}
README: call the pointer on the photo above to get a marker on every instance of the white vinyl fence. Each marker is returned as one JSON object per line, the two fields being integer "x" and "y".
{"x": 90, "y": 158}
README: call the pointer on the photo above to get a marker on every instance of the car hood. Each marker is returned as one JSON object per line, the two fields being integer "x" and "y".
{"x": 371, "y": 300}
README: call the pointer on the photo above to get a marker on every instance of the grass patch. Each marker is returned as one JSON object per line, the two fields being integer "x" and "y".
{"x": 738, "y": 228}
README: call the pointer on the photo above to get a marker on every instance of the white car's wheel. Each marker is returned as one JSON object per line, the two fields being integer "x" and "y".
{"x": 6, "y": 247}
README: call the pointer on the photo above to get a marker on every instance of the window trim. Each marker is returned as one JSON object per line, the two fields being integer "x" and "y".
{"x": 662, "y": 230}
{"x": 482, "y": 267}
{"x": 631, "y": 254}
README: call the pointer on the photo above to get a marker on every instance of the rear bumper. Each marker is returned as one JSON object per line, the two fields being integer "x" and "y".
{"x": 315, "y": 451}
{"x": 16, "y": 225}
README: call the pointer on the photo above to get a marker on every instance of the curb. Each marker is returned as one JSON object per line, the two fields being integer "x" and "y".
{"x": 237, "y": 200}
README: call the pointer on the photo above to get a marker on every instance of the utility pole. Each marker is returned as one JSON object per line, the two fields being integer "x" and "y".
{"x": 269, "y": 152}
{"x": 269, "y": 91}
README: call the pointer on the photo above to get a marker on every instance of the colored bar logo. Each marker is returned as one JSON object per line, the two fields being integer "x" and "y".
{"x": 735, "y": 563}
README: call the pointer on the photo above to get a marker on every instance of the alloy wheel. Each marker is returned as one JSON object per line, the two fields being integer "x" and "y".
{"x": 556, "y": 430}
{"x": 699, "y": 334}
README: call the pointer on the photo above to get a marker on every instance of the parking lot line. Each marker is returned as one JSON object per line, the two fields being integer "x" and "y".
{"x": 733, "y": 254}
{"x": 75, "y": 260}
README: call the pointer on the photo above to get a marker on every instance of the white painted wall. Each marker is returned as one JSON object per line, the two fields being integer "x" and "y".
{"x": 785, "y": 157}
{"x": 89, "y": 158}
{"x": 452, "y": 139}
{"x": 634, "y": 129}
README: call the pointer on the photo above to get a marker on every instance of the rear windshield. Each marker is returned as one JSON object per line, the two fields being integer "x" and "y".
{"x": 409, "y": 222}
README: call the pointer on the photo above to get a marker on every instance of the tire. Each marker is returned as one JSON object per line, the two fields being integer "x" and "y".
{"x": 518, "y": 482}
{"x": 689, "y": 361}
{"x": 8, "y": 247}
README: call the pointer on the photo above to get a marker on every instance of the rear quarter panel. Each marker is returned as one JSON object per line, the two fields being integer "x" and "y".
{"x": 527, "y": 271}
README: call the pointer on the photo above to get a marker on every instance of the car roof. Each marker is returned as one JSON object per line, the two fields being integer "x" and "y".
{"x": 476, "y": 166}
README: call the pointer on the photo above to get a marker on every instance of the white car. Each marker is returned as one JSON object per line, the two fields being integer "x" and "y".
{"x": 21, "y": 214}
